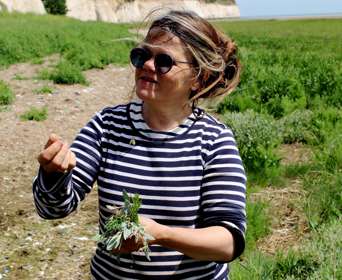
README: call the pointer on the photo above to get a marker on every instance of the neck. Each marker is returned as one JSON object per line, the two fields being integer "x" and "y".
{"x": 164, "y": 118}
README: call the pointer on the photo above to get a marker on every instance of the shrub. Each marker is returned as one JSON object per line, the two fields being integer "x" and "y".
{"x": 67, "y": 73}
{"x": 293, "y": 266}
{"x": 299, "y": 126}
{"x": 35, "y": 114}
{"x": 55, "y": 7}
{"x": 6, "y": 95}
{"x": 257, "y": 136}
{"x": 258, "y": 223}
{"x": 324, "y": 198}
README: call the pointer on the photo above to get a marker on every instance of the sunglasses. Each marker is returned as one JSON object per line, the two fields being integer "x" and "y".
{"x": 162, "y": 62}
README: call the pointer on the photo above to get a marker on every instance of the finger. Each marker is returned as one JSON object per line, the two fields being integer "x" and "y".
{"x": 52, "y": 139}
{"x": 72, "y": 160}
{"x": 55, "y": 164}
{"x": 65, "y": 163}
{"x": 49, "y": 153}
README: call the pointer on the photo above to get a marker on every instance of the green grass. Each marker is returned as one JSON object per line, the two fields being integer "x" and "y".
{"x": 35, "y": 114}
{"x": 287, "y": 66}
{"x": 6, "y": 94}
{"x": 82, "y": 45}
{"x": 292, "y": 73}
{"x": 44, "y": 90}
{"x": 318, "y": 257}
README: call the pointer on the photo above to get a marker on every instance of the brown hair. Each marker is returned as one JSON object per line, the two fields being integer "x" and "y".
{"x": 214, "y": 54}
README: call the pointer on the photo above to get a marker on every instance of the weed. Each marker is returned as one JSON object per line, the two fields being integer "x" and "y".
{"x": 67, "y": 73}
{"x": 44, "y": 90}
{"x": 35, "y": 114}
{"x": 6, "y": 95}
{"x": 258, "y": 223}
{"x": 19, "y": 77}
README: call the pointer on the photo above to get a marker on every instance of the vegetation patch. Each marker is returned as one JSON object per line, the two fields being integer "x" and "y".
{"x": 6, "y": 95}
{"x": 35, "y": 114}
{"x": 44, "y": 90}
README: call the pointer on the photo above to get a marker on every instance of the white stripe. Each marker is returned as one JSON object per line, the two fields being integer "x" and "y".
{"x": 231, "y": 201}
{"x": 147, "y": 149}
{"x": 224, "y": 183}
{"x": 157, "y": 159}
{"x": 225, "y": 165}
{"x": 160, "y": 207}
{"x": 152, "y": 168}
{"x": 157, "y": 273}
{"x": 225, "y": 174}
{"x": 224, "y": 267}
{"x": 152, "y": 178}
{"x": 88, "y": 147}
{"x": 164, "y": 198}
{"x": 108, "y": 271}
{"x": 222, "y": 192}
{"x": 146, "y": 187}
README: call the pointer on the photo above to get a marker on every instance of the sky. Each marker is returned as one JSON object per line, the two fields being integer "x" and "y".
{"x": 256, "y": 8}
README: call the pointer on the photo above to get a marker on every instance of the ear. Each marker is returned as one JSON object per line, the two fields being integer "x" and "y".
{"x": 195, "y": 85}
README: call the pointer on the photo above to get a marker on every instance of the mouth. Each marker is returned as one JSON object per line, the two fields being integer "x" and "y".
{"x": 148, "y": 79}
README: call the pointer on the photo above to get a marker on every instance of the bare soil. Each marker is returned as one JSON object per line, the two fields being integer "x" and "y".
{"x": 32, "y": 248}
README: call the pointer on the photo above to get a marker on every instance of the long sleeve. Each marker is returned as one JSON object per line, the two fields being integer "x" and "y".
{"x": 57, "y": 195}
{"x": 223, "y": 189}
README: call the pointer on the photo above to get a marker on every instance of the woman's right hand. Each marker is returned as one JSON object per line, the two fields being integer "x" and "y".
{"x": 56, "y": 156}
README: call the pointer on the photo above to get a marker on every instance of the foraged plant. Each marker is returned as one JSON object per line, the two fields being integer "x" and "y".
{"x": 124, "y": 225}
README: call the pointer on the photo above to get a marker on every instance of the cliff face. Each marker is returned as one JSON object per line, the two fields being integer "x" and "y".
{"x": 120, "y": 11}
{"x": 23, "y": 6}
{"x": 123, "y": 11}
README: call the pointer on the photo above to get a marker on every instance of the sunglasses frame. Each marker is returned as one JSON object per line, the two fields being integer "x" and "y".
{"x": 148, "y": 55}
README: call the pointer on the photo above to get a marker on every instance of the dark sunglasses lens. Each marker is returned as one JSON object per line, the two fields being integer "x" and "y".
{"x": 163, "y": 63}
{"x": 139, "y": 56}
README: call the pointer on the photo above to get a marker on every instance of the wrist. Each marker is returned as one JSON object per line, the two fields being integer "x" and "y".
{"x": 161, "y": 233}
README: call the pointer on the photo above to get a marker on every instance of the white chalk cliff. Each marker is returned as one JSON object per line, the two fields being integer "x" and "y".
{"x": 22, "y": 6}
{"x": 120, "y": 11}
{"x": 125, "y": 11}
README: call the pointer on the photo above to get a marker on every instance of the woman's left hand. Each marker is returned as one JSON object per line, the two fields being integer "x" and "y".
{"x": 132, "y": 245}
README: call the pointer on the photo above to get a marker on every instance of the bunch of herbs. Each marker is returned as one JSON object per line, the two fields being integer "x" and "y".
{"x": 124, "y": 225}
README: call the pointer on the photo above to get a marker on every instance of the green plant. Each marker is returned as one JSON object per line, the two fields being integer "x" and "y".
{"x": 300, "y": 126}
{"x": 256, "y": 136}
{"x": 6, "y": 95}
{"x": 19, "y": 77}
{"x": 55, "y": 7}
{"x": 258, "y": 223}
{"x": 67, "y": 73}
{"x": 44, "y": 90}
{"x": 294, "y": 266}
{"x": 323, "y": 202}
{"x": 35, "y": 114}
{"x": 124, "y": 225}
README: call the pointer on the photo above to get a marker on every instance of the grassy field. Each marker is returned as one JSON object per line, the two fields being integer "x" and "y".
{"x": 286, "y": 115}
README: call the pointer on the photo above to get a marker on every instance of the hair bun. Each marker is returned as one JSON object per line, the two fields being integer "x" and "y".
{"x": 231, "y": 67}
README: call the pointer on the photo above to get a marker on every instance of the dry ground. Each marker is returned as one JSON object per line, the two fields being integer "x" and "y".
{"x": 32, "y": 248}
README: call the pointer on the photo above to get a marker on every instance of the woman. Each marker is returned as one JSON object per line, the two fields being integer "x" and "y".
{"x": 182, "y": 162}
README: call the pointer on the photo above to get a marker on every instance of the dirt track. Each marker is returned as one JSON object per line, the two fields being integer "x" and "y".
{"x": 32, "y": 248}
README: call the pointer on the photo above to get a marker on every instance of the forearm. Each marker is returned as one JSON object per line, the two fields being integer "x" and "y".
{"x": 53, "y": 200}
{"x": 214, "y": 243}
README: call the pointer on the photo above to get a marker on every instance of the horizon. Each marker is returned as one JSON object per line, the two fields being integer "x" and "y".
{"x": 288, "y": 8}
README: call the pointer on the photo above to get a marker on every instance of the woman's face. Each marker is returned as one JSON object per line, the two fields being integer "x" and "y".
{"x": 172, "y": 88}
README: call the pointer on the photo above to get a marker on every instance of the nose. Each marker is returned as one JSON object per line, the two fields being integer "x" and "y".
{"x": 149, "y": 65}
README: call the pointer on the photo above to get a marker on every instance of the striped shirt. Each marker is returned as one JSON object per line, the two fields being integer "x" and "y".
{"x": 191, "y": 176}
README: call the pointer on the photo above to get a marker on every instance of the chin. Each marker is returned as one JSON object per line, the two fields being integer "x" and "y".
{"x": 145, "y": 95}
